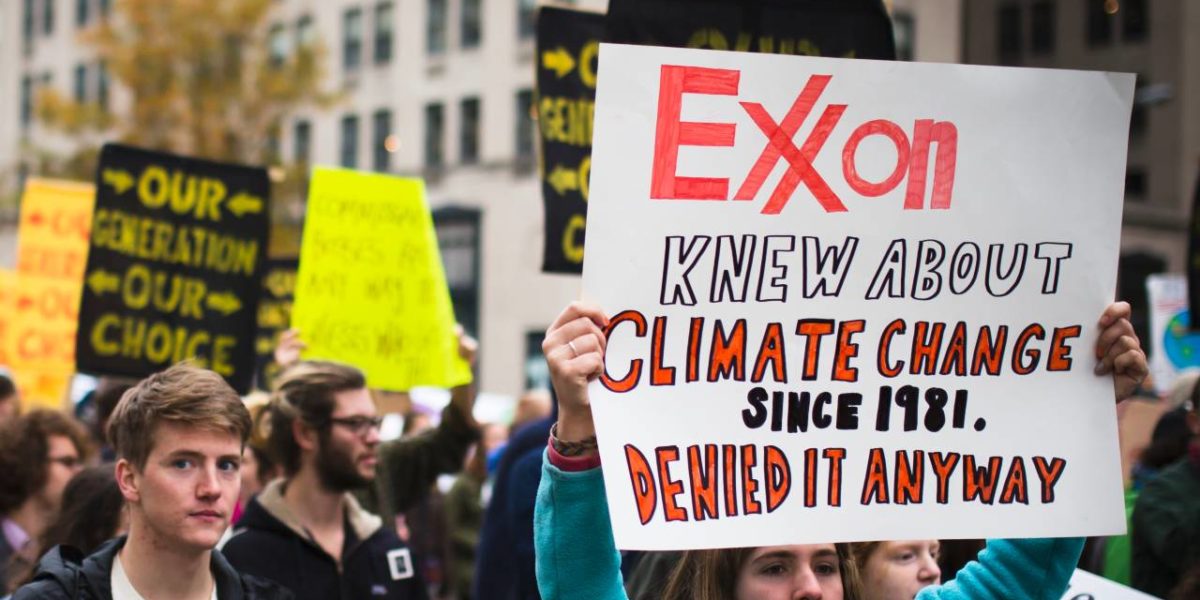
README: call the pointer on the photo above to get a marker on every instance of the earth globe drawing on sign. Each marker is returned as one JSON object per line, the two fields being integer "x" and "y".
{"x": 1181, "y": 344}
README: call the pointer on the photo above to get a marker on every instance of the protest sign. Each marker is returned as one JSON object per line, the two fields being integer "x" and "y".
{"x": 1087, "y": 586}
{"x": 52, "y": 245}
{"x": 568, "y": 42}
{"x": 274, "y": 316}
{"x": 844, "y": 29}
{"x": 174, "y": 267}
{"x": 853, "y": 300}
{"x": 371, "y": 291}
{"x": 1174, "y": 345}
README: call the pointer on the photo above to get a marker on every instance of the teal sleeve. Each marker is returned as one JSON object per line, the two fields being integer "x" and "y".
{"x": 576, "y": 555}
{"x": 1033, "y": 569}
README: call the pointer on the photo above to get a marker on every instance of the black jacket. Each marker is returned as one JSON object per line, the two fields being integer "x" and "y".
{"x": 64, "y": 574}
{"x": 271, "y": 543}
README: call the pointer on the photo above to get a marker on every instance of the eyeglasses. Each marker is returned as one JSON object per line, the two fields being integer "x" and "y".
{"x": 70, "y": 462}
{"x": 358, "y": 425}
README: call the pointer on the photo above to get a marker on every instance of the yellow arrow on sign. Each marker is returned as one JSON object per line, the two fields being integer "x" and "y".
{"x": 563, "y": 180}
{"x": 102, "y": 282}
{"x": 558, "y": 60}
{"x": 119, "y": 180}
{"x": 243, "y": 203}
{"x": 224, "y": 302}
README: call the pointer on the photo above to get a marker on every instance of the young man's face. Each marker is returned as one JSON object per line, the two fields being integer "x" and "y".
{"x": 346, "y": 458}
{"x": 186, "y": 492}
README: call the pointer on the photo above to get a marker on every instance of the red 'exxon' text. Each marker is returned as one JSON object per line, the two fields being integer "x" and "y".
{"x": 912, "y": 155}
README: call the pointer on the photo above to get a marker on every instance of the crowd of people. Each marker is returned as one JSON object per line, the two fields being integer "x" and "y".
{"x": 176, "y": 487}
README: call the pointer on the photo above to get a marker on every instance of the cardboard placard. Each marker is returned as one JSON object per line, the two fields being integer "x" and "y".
{"x": 1174, "y": 344}
{"x": 568, "y": 43}
{"x": 853, "y": 300}
{"x": 274, "y": 316}
{"x": 842, "y": 29}
{"x": 52, "y": 250}
{"x": 175, "y": 266}
{"x": 371, "y": 291}
{"x": 1088, "y": 586}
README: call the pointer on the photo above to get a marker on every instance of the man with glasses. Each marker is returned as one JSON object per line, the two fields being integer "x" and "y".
{"x": 307, "y": 531}
{"x": 39, "y": 453}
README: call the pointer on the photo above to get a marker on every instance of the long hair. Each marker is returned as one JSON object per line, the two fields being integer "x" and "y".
{"x": 712, "y": 574}
{"x": 91, "y": 511}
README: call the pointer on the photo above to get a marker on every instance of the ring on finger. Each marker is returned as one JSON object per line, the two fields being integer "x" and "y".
{"x": 574, "y": 350}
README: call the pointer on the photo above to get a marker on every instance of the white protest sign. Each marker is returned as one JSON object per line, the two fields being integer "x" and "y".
{"x": 1087, "y": 586}
{"x": 1173, "y": 345}
{"x": 853, "y": 300}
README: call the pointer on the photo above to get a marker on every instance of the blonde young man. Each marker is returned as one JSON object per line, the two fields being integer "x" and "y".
{"x": 179, "y": 436}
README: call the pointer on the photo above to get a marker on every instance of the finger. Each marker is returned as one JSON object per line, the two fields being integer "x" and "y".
{"x": 1132, "y": 364}
{"x": 1111, "y": 333}
{"x": 1123, "y": 344}
{"x": 1114, "y": 312}
{"x": 579, "y": 309}
{"x": 578, "y": 328}
{"x": 587, "y": 343}
{"x": 590, "y": 365}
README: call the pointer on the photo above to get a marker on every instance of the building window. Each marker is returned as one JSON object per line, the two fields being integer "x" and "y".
{"x": 305, "y": 33}
{"x": 1008, "y": 34}
{"x": 27, "y": 27}
{"x": 468, "y": 138}
{"x": 274, "y": 144}
{"x": 26, "y": 101}
{"x": 1134, "y": 20}
{"x": 350, "y": 141}
{"x": 1099, "y": 25}
{"x": 277, "y": 43}
{"x": 526, "y": 18}
{"x": 524, "y": 121}
{"x": 903, "y": 32}
{"x": 1135, "y": 183}
{"x": 434, "y": 132}
{"x": 472, "y": 23}
{"x": 381, "y": 129}
{"x": 352, "y": 39}
{"x": 384, "y": 26}
{"x": 537, "y": 372}
{"x": 80, "y": 88}
{"x": 48, "y": 16}
{"x": 457, "y": 232}
{"x": 102, "y": 85}
{"x": 301, "y": 142}
{"x": 82, "y": 12}
{"x": 435, "y": 27}
{"x": 1043, "y": 27}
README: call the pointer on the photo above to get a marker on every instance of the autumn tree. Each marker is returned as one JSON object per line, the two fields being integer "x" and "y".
{"x": 201, "y": 78}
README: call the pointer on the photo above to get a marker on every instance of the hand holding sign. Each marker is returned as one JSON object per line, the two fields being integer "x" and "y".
{"x": 574, "y": 350}
{"x": 1119, "y": 351}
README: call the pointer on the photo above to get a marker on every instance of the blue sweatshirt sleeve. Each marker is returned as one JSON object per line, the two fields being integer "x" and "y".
{"x": 1032, "y": 569}
{"x": 576, "y": 555}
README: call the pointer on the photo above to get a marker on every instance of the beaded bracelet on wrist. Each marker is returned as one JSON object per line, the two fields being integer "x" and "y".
{"x": 566, "y": 448}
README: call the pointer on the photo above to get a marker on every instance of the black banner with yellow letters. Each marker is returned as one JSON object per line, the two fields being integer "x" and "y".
{"x": 568, "y": 43}
{"x": 174, "y": 266}
{"x": 834, "y": 28}
{"x": 274, "y": 316}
